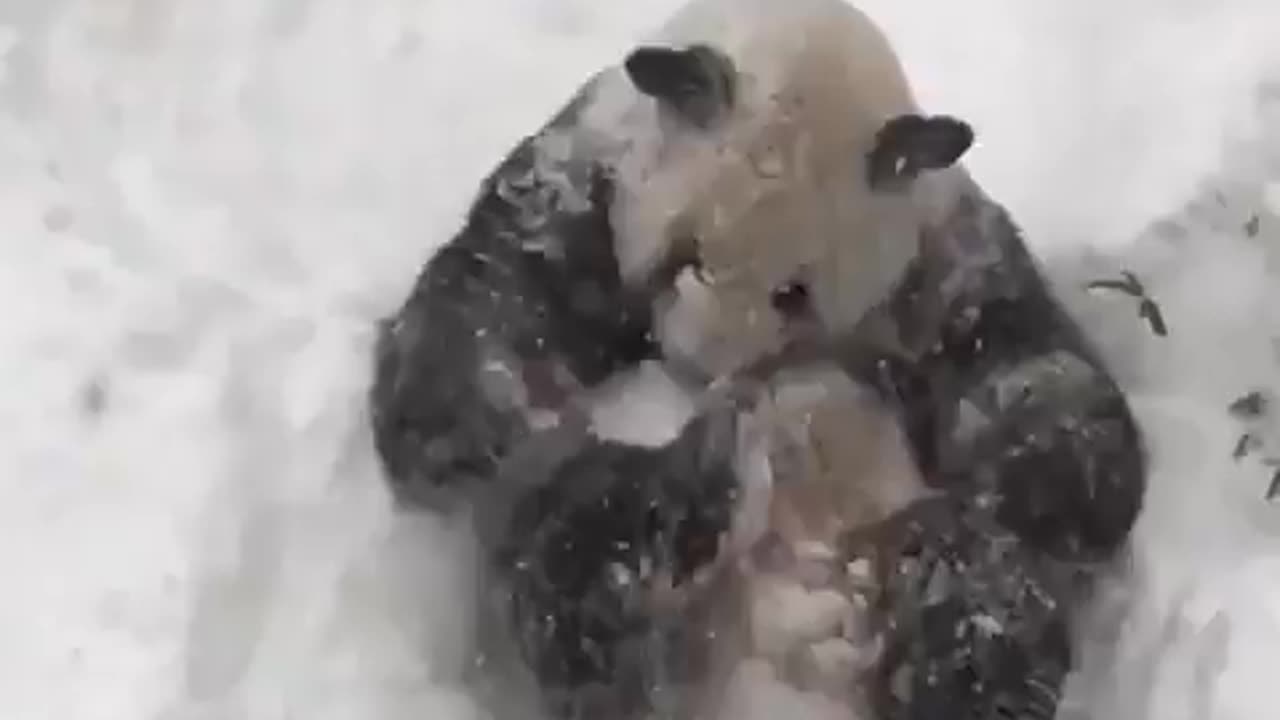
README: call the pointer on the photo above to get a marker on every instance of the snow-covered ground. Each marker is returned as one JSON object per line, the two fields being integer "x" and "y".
{"x": 203, "y": 205}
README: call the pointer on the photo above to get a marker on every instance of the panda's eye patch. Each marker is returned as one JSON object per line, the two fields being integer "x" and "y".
{"x": 791, "y": 299}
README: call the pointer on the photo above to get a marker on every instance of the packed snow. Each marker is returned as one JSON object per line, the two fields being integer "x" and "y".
{"x": 204, "y": 206}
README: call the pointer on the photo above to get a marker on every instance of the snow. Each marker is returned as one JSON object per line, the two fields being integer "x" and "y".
{"x": 204, "y": 205}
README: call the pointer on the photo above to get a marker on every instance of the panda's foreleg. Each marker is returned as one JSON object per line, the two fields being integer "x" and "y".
{"x": 1003, "y": 393}
{"x": 435, "y": 428}
{"x": 505, "y": 324}
{"x": 1013, "y": 407}
{"x": 450, "y": 409}
{"x": 1051, "y": 440}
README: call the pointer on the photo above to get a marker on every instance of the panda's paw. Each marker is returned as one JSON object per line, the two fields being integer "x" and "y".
{"x": 741, "y": 392}
{"x": 809, "y": 618}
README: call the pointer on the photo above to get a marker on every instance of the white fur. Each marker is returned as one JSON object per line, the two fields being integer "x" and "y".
{"x": 825, "y": 455}
{"x": 839, "y": 453}
{"x": 777, "y": 188}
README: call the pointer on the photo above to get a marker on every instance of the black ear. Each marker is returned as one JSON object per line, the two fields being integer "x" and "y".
{"x": 908, "y": 145}
{"x": 697, "y": 83}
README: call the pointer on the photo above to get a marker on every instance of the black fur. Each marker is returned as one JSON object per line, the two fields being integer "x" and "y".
{"x": 698, "y": 83}
{"x": 576, "y": 571}
{"x": 530, "y": 288}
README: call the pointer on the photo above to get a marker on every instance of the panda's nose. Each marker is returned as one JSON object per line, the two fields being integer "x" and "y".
{"x": 792, "y": 299}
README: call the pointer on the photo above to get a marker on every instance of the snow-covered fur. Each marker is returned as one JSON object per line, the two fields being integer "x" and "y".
{"x": 757, "y": 183}
{"x": 512, "y": 318}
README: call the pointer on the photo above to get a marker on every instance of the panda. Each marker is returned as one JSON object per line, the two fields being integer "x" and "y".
{"x": 675, "y": 210}
{"x": 615, "y": 563}
{"x": 757, "y": 183}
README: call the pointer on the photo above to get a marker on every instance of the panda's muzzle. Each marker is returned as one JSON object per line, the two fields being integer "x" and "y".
{"x": 792, "y": 300}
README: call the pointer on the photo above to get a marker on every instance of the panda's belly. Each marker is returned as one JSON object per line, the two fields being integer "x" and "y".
{"x": 787, "y": 613}
{"x": 802, "y": 619}
{"x": 791, "y": 614}
{"x": 794, "y": 623}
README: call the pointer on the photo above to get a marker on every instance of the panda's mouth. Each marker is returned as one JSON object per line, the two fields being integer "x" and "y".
{"x": 792, "y": 299}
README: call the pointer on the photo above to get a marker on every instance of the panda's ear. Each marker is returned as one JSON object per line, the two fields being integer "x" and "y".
{"x": 908, "y": 145}
{"x": 696, "y": 83}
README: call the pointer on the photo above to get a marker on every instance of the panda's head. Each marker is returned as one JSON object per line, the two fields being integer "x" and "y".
{"x": 766, "y": 157}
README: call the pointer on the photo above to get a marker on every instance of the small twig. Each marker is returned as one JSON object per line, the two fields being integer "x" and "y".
{"x": 1150, "y": 311}
{"x": 1246, "y": 444}
{"x": 1130, "y": 285}
{"x": 1147, "y": 308}
{"x": 1273, "y": 489}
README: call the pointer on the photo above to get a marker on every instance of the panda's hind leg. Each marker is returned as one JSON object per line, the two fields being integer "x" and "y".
{"x": 975, "y": 621}
{"x": 594, "y": 572}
